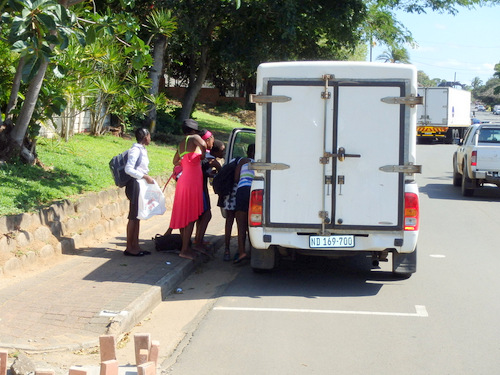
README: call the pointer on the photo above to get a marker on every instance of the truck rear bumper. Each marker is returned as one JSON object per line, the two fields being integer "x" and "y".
{"x": 492, "y": 177}
{"x": 402, "y": 242}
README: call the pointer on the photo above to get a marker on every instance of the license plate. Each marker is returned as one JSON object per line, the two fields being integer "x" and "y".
{"x": 327, "y": 242}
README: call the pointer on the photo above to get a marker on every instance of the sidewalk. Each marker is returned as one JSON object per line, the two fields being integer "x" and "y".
{"x": 99, "y": 291}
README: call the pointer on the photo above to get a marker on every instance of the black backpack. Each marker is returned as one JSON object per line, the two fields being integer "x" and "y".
{"x": 167, "y": 242}
{"x": 117, "y": 166}
{"x": 223, "y": 181}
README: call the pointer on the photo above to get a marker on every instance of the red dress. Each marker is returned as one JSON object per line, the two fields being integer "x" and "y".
{"x": 188, "y": 199}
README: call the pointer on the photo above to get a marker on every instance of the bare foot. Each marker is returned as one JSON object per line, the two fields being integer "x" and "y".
{"x": 202, "y": 250}
{"x": 187, "y": 255}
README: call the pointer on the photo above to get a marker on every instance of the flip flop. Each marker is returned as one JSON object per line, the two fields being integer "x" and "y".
{"x": 227, "y": 255}
{"x": 241, "y": 261}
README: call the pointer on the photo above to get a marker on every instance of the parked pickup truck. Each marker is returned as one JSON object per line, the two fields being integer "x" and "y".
{"x": 335, "y": 159}
{"x": 477, "y": 159}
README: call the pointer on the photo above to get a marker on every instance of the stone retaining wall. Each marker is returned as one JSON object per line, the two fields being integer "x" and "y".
{"x": 64, "y": 227}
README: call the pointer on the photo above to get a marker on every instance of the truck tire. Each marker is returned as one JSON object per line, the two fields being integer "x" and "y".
{"x": 263, "y": 260}
{"x": 467, "y": 191}
{"x": 457, "y": 178}
{"x": 404, "y": 264}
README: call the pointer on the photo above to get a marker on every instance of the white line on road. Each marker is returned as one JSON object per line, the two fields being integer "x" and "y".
{"x": 421, "y": 311}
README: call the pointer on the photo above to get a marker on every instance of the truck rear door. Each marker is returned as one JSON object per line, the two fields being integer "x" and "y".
{"x": 335, "y": 137}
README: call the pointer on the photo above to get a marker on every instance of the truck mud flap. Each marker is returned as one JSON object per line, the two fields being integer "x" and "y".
{"x": 404, "y": 263}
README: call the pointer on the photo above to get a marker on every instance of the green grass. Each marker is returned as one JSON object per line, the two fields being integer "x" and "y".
{"x": 81, "y": 165}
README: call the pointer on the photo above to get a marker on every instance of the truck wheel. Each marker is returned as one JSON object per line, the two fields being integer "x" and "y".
{"x": 263, "y": 260}
{"x": 457, "y": 178}
{"x": 404, "y": 264}
{"x": 467, "y": 191}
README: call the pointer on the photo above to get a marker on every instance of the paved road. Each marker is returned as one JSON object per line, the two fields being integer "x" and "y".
{"x": 343, "y": 317}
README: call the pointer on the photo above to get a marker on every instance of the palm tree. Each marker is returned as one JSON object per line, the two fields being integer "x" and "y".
{"x": 395, "y": 55}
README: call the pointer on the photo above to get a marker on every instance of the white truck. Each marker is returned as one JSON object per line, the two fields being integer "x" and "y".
{"x": 445, "y": 115}
{"x": 477, "y": 158}
{"x": 334, "y": 162}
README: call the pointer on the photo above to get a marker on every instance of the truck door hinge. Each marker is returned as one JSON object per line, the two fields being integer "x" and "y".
{"x": 407, "y": 168}
{"x": 411, "y": 100}
{"x": 258, "y": 166}
{"x": 326, "y": 94}
{"x": 261, "y": 98}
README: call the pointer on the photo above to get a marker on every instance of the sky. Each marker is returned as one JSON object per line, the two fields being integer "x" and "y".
{"x": 453, "y": 48}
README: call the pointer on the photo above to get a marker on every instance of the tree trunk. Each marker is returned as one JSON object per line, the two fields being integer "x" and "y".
{"x": 196, "y": 81}
{"x": 16, "y": 84}
{"x": 19, "y": 131}
{"x": 155, "y": 74}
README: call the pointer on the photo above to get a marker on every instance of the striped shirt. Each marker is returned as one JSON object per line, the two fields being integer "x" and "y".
{"x": 246, "y": 175}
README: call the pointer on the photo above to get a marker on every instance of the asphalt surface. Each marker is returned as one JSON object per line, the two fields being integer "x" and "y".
{"x": 99, "y": 291}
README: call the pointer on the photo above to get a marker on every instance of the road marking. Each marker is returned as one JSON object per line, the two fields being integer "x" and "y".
{"x": 421, "y": 311}
{"x": 437, "y": 256}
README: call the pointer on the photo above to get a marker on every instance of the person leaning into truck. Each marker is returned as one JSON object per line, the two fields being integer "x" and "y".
{"x": 244, "y": 176}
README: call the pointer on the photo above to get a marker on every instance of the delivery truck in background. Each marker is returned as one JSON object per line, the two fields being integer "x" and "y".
{"x": 335, "y": 160}
{"x": 445, "y": 114}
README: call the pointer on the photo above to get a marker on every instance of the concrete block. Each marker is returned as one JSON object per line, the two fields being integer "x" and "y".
{"x": 95, "y": 215}
{"x": 12, "y": 265}
{"x": 3, "y": 225}
{"x": 11, "y": 223}
{"x": 23, "y": 238}
{"x": 143, "y": 357}
{"x": 67, "y": 245}
{"x": 109, "y": 367}
{"x": 29, "y": 258}
{"x": 42, "y": 234}
{"x": 26, "y": 221}
{"x": 107, "y": 347}
{"x": 3, "y": 362}
{"x": 22, "y": 365}
{"x": 44, "y": 372}
{"x": 146, "y": 369}
{"x": 86, "y": 203}
{"x": 56, "y": 229}
{"x": 70, "y": 226}
{"x": 99, "y": 231}
{"x": 47, "y": 251}
{"x": 154, "y": 352}
{"x": 7, "y": 244}
{"x": 141, "y": 341}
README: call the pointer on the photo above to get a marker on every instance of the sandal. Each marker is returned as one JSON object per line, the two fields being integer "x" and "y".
{"x": 227, "y": 255}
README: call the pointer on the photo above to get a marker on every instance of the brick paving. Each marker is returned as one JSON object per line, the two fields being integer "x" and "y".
{"x": 96, "y": 292}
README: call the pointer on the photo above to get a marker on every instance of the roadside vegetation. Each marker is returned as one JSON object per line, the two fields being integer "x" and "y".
{"x": 81, "y": 165}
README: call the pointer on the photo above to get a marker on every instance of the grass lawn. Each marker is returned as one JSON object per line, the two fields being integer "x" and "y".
{"x": 81, "y": 165}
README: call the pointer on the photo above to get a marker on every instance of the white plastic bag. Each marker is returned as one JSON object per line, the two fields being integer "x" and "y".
{"x": 151, "y": 200}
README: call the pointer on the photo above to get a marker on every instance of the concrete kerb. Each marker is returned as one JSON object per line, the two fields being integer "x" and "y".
{"x": 144, "y": 304}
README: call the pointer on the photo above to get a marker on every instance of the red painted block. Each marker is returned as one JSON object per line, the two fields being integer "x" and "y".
{"x": 77, "y": 371}
{"x": 3, "y": 362}
{"x": 107, "y": 345}
{"x": 109, "y": 367}
{"x": 154, "y": 352}
{"x": 147, "y": 368}
{"x": 143, "y": 357}
{"x": 141, "y": 341}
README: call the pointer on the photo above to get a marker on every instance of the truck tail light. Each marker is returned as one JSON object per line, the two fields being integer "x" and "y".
{"x": 411, "y": 217}
{"x": 473, "y": 159}
{"x": 255, "y": 209}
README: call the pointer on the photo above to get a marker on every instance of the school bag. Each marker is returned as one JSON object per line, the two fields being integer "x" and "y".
{"x": 117, "y": 166}
{"x": 223, "y": 181}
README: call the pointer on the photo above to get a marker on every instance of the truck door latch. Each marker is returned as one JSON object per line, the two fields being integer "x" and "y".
{"x": 340, "y": 155}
